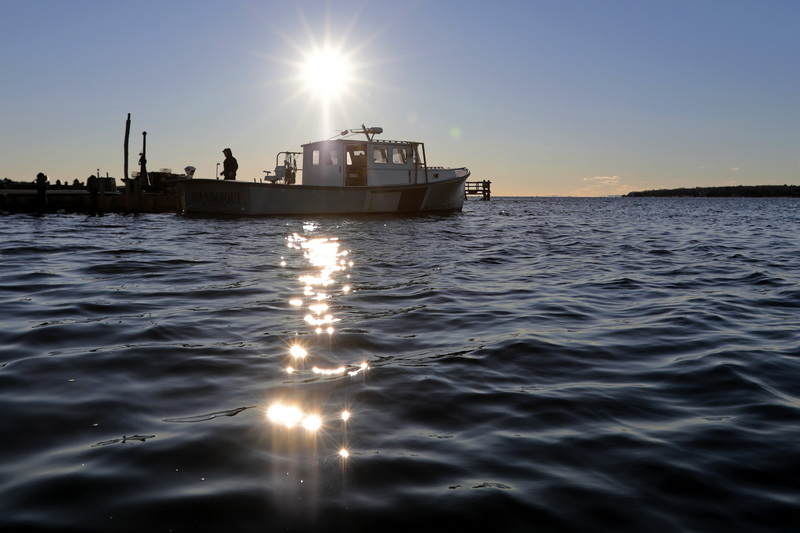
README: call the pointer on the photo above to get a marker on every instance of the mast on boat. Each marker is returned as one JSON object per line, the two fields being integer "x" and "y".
{"x": 369, "y": 132}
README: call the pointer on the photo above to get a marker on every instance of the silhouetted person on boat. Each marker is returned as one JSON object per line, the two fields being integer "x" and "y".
{"x": 230, "y": 165}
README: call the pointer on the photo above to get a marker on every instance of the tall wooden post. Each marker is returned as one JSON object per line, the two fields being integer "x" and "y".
{"x": 143, "y": 160}
{"x": 126, "y": 181}
{"x": 142, "y": 179}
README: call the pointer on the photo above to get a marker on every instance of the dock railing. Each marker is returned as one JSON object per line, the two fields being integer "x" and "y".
{"x": 479, "y": 188}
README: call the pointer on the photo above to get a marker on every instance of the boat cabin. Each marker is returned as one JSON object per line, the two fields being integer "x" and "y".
{"x": 361, "y": 163}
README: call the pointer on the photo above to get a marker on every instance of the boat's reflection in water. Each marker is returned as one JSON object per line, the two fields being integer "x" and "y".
{"x": 329, "y": 277}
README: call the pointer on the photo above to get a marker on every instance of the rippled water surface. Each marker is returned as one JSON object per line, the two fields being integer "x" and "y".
{"x": 527, "y": 365}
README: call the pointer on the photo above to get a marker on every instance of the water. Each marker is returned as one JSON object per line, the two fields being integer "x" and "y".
{"x": 526, "y": 365}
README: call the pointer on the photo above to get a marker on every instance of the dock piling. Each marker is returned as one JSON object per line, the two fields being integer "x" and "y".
{"x": 41, "y": 192}
{"x": 125, "y": 179}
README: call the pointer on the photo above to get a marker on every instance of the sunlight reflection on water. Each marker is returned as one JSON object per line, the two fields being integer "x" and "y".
{"x": 329, "y": 262}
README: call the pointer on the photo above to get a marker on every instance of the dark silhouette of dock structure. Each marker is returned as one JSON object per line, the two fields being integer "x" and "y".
{"x": 479, "y": 188}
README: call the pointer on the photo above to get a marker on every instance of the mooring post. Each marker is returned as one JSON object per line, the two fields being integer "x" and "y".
{"x": 126, "y": 181}
{"x": 41, "y": 192}
{"x": 92, "y": 184}
{"x": 143, "y": 162}
{"x": 141, "y": 181}
{"x": 102, "y": 193}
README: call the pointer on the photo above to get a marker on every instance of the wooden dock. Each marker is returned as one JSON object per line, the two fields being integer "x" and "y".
{"x": 479, "y": 188}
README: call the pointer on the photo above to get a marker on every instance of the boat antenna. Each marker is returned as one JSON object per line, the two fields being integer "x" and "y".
{"x": 369, "y": 132}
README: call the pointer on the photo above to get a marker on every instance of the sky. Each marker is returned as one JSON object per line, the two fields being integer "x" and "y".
{"x": 566, "y": 98}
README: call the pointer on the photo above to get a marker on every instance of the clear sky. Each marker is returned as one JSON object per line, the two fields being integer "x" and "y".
{"x": 543, "y": 97}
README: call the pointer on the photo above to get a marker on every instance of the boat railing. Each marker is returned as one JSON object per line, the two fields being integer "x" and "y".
{"x": 287, "y": 172}
{"x": 386, "y": 141}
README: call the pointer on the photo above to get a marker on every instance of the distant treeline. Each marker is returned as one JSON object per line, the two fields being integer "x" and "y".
{"x": 739, "y": 191}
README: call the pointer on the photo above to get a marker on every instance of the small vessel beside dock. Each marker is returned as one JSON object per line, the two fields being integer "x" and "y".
{"x": 343, "y": 175}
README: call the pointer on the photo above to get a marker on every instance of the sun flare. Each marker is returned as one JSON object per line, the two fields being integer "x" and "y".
{"x": 326, "y": 73}
{"x": 331, "y": 65}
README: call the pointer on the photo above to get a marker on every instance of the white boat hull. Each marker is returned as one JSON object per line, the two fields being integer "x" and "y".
{"x": 220, "y": 197}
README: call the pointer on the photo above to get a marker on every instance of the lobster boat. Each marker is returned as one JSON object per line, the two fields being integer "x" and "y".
{"x": 343, "y": 175}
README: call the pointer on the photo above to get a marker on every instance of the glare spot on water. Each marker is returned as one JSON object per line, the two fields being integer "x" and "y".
{"x": 298, "y": 351}
{"x": 291, "y": 416}
{"x": 364, "y": 366}
{"x": 314, "y": 321}
{"x": 312, "y": 422}
{"x": 328, "y": 372}
{"x": 286, "y": 415}
{"x": 318, "y": 308}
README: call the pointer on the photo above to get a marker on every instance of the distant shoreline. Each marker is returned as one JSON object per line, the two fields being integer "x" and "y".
{"x": 738, "y": 191}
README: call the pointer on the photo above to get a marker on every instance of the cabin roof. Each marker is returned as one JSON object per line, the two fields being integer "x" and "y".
{"x": 359, "y": 141}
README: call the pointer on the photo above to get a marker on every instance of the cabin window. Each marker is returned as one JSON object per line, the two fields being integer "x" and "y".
{"x": 399, "y": 156}
{"x": 415, "y": 156}
{"x": 356, "y": 155}
{"x": 315, "y": 158}
{"x": 331, "y": 157}
{"x": 379, "y": 155}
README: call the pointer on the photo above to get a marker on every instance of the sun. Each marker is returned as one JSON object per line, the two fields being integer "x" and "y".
{"x": 326, "y": 73}
{"x": 330, "y": 68}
